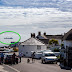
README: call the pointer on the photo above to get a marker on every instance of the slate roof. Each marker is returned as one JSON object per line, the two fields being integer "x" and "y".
{"x": 32, "y": 41}
{"x": 41, "y": 37}
{"x": 54, "y": 36}
{"x": 68, "y": 35}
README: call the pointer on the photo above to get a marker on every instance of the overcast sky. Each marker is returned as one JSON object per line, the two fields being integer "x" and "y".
{"x": 27, "y": 20}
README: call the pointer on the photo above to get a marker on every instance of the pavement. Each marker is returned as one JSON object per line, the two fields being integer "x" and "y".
{"x": 7, "y": 68}
{"x": 37, "y": 67}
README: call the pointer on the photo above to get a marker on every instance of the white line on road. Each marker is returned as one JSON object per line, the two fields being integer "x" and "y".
{"x": 12, "y": 68}
{"x": 2, "y": 70}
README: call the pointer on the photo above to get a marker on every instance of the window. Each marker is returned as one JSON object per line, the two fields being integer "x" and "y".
{"x": 38, "y": 47}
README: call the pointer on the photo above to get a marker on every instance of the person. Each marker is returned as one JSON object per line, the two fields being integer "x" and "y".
{"x": 14, "y": 59}
{"x": 20, "y": 55}
{"x": 33, "y": 55}
{"x": 2, "y": 57}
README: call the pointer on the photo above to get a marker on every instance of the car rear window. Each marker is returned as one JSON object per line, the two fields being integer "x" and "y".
{"x": 49, "y": 55}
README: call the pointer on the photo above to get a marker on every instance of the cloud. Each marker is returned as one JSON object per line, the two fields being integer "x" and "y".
{"x": 23, "y": 16}
{"x": 27, "y": 20}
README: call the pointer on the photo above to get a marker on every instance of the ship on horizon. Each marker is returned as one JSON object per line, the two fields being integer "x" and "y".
{"x": 8, "y": 38}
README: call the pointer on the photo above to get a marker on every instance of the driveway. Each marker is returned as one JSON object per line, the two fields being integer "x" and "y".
{"x": 37, "y": 67}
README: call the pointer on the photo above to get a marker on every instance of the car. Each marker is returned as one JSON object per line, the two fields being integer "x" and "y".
{"x": 8, "y": 50}
{"x": 48, "y": 57}
{"x": 8, "y": 58}
{"x": 38, "y": 55}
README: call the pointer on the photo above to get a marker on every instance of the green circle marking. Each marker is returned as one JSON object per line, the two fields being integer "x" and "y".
{"x": 10, "y": 43}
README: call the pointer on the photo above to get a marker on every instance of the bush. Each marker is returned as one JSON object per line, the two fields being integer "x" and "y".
{"x": 53, "y": 41}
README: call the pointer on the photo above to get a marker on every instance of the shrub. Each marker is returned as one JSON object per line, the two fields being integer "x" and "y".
{"x": 53, "y": 41}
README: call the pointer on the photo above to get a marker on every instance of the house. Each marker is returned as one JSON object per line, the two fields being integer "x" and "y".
{"x": 43, "y": 37}
{"x": 56, "y": 37}
{"x": 31, "y": 45}
{"x": 66, "y": 49}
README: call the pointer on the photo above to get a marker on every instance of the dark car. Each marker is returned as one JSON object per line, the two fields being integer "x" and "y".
{"x": 8, "y": 58}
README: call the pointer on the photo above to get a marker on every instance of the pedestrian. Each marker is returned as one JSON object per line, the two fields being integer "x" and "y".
{"x": 2, "y": 57}
{"x": 20, "y": 55}
{"x": 33, "y": 56}
{"x": 14, "y": 59}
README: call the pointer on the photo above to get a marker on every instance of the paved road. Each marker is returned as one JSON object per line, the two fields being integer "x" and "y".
{"x": 38, "y": 67}
{"x": 7, "y": 68}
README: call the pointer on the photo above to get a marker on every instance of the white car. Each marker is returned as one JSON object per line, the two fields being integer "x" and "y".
{"x": 49, "y": 57}
{"x": 8, "y": 50}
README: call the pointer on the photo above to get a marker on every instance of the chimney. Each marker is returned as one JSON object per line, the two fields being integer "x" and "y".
{"x": 44, "y": 33}
{"x": 39, "y": 33}
{"x": 33, "y": 35}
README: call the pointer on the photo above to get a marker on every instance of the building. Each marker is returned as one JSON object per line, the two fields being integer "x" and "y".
{"x": 56, "y": 37}
{"x": 43, "y": 37}
{"x": 66, "y": 50}
{"x": 31, "y": 45}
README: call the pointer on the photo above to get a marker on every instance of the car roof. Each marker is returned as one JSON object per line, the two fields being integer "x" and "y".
{"x": 8, "y": 54}
{"x": 48, "y": 52}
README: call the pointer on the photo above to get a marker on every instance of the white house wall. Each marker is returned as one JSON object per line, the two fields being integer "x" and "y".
{"x": 67, "y": 43}
{"x": 29, "y": 48}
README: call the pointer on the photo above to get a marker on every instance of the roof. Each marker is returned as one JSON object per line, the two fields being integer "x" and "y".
{"x": 41, "y": 37}
{"x": 54, "y": 36}
{"x": 68, "y": 35}
{"x": 32, "y": 41}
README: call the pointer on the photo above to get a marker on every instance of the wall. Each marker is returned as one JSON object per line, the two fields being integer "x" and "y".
{"x": 67, "y": 43}
{"x": 26, "y": 49}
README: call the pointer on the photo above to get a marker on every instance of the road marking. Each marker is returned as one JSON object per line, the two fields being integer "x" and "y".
{"x": 12, "y": 68}
{"x": 2, "y": 70}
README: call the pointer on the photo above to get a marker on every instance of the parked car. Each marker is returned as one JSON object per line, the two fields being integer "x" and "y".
{"x": 48, "y": 57}
{"x": 8, "y": 58}
{"x": 8, "y": 50}
{"x": 38, "y": 55}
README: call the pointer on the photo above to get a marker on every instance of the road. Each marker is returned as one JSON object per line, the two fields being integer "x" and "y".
{"x": 37, "y": 67}
{"x": 7, "y": 68}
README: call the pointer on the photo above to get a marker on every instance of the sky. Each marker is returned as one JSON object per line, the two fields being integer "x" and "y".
{"x": 52, "y": 20}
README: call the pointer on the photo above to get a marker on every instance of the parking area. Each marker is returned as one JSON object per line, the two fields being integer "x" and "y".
{"x": 37, "y": 67}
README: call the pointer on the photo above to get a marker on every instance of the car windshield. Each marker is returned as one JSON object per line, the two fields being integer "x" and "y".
{"x": 6, "y": 50}
{"x": 49, "y": 55}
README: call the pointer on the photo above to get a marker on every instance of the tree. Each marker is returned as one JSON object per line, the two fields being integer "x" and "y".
{"x": 53, "y": 42}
